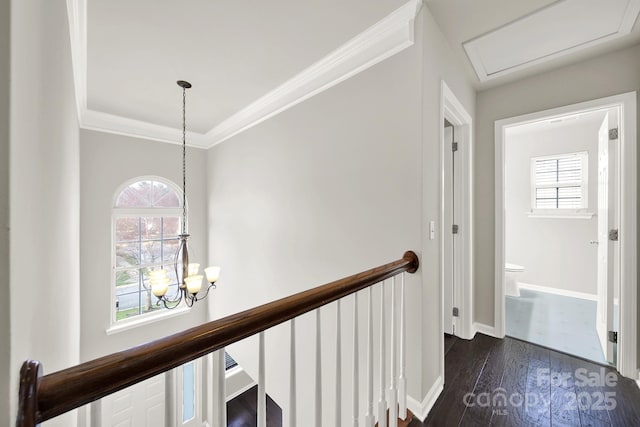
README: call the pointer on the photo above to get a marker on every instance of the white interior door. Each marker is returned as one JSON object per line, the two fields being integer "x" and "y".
{"x": 139, "y": 405}
{"x": 604, "y": 320}
{"x": 448, "y": 273}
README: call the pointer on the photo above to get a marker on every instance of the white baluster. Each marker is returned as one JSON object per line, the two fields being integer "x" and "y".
{"x": 382, "y": 403}
{"x": 393, "y": 391}
{"x": 402, "y": 379}
{"x": 209, "y": 387}
{"x": 370, "y": 418}
{"x": 222, "y": 387}
{"x": 318, "y": 414}
{"x": 262, "y": 394}
{"x": 170, "y": 416}
{"x": 292, "y": 375}
{"x": 95, "y": 413}
{"x": 338, "y": 420}
{"x": 216, "y": 404}
{"x": 356, "y": 385}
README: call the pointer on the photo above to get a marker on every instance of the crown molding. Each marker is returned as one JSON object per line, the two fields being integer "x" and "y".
{"x": 387, "y": 37}
{"x": 110, "y": 123}
{"x": 77, "y": 15}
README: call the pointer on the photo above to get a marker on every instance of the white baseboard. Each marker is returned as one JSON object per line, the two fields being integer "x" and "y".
{"x": 421, "y": 409}
{"x": 484, "y": 329}
{"x": 556, "y": 291}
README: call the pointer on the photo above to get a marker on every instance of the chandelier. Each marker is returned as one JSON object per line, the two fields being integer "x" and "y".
{"x": 189, "y": 281}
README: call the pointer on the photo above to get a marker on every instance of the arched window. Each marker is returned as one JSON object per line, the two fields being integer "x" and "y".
{"x": 146, "y": 222}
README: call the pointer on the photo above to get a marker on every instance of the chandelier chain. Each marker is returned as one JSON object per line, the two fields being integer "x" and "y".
{"x": 184, "y": 160}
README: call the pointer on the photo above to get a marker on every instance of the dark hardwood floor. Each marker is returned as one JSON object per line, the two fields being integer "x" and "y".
{"x": 507, "y": 383}
{"x": 513, "y": 383}
{"x": 242, "y": 411}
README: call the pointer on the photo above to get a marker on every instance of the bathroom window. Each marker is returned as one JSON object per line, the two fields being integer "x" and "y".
{"x": 559, "y": 182}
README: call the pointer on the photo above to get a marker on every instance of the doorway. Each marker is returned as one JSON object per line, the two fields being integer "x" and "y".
{"x": 566, "y": 230}
{"x": 456, "y": 150}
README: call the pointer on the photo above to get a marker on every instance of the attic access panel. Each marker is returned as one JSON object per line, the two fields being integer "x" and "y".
{"x": 559, "y": 29}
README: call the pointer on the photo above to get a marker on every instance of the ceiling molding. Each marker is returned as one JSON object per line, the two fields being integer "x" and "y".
{"x": 509, "y": 48}
{"x": 110, "y": 123}
{"x": 389, "y": 36}
{"x": 77, "y": 15}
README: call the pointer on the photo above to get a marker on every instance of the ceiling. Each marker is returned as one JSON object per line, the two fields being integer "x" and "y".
{"x": 586, "y": 118}
{"x": 239, "y": 53}
{"x": 232, "y": 51}
{"x": 464, "y": 21}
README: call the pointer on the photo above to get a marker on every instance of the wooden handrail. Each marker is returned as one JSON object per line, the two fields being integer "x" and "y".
{"x": 44, "y": 397}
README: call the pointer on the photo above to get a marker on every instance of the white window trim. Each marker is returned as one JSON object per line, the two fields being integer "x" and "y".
{"x": 116, "y": 326}
{"x": 145, "y": 319}
{"x": 562, "y": 213}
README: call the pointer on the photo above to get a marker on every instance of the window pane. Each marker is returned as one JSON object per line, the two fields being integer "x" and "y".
{"x": 569, "y": 175}
{"x": 546, "y": 193}
{"x": 148, "y": 194}
{"x": 171, "y": 226}
{"x": 188, "y": 392}
{"x": 151, "y": 252}
{"x": 546, "y": 171}
{"x": 151, "y": 228}
{"x": 570, "y": 192}
{"x": 169, "y": 249}
{"x": 127, "y": 294}
{"x": 544, "y": 178}
{"x": 127, "y": 229}
{"x": 164, "y": 197}
{"x": 546, "y": 204}
{"x": 561, "y": 178}
{"x": 127, "y": 254}
{"x": 125, "y": 279}
{"x": 136, "y": 195}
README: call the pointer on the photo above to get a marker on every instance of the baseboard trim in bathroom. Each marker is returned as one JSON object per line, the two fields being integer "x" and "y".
{"x": 556, "y": 291}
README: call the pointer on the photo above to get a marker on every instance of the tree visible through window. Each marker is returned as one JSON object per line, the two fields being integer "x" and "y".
{"x": 146, "y": 225}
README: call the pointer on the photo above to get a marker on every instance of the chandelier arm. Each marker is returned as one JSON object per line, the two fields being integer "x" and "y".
{"x": 211, "y": 286}
{"x": 169, "y": 304}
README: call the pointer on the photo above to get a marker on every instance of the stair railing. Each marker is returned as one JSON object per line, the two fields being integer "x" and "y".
{"x": 42, "y": 397}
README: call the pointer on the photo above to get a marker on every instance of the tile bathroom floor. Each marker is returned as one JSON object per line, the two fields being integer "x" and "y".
{"x": 559, "y": 322}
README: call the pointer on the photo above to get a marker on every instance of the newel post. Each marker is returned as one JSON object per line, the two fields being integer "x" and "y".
{"x": 30, "y": 375}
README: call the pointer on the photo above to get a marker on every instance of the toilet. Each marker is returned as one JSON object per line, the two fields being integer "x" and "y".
{"x": 512, "y": 272}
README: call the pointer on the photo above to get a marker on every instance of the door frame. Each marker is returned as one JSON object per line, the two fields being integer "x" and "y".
{"x": 453, "y": 110}
{"x": 627, "y": 341}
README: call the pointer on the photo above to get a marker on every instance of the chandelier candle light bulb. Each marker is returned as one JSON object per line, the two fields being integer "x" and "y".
{"x": 212, "y": 274}
{"x": 194, "y": 284}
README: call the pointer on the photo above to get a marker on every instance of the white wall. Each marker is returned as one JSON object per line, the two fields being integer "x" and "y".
{"x": 438, "y": 63}
{"x": 6, "y": 388}
{"x": 44, "y": 200}
{"x": 338, "y": 184}
{"x": 555, "y": 252}
{"x": 106, "y": 162}
{"x": 609, "y": 74}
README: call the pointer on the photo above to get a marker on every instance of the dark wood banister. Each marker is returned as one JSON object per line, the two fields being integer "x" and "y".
{"x": 44, "y": 397}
